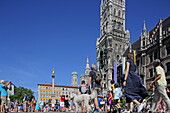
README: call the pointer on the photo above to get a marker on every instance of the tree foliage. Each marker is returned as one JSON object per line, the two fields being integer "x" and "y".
{"x": 19, "y": 94}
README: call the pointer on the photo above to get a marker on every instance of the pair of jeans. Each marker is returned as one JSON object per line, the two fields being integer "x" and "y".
{"x": 160, "y": 91}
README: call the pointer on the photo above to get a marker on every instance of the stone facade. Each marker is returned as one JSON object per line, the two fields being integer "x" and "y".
{"x": 45, "y": 91}
{"x": 113, "y": 40}
{"x": 157, "y": 46}
{"x": 152, "y": 45}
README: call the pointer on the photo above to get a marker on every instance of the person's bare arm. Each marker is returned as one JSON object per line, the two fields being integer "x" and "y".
{"x": 126, "y": 73}
{"x": 156, "y": 79}
{"x": 7, "y": 83}
{"x": 89, "y": 81}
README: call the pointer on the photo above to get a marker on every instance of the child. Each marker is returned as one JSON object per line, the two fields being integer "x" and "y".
{"x": 83, "y": 87}
{"x": 83, "y": 90}
{"x": 117, "y": 94}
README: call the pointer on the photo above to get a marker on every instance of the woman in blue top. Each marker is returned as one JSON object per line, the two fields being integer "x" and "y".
{"x": 134, "y": 89}
{"x": 37, "y": 107}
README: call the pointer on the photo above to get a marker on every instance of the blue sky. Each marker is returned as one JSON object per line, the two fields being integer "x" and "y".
{"x": 37, "y": 36}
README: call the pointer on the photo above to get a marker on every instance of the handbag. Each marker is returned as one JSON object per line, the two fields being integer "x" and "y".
{"x": 102, "y": 102}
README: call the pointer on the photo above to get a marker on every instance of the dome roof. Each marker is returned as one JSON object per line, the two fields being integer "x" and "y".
{"x": 74, "y": 73}
{"x": 82, "y": 75}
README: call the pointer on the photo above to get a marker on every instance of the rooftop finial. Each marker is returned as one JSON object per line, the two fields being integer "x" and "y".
{"x": 102, "y": 1}
{"x": 144, "y": 26}
{"x": 87, "y": 59}
{"x": 87, "y": 63}
{"x": 130, "y": 47}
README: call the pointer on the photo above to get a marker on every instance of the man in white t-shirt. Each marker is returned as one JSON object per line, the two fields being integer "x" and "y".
{"x": 161, "y": 83}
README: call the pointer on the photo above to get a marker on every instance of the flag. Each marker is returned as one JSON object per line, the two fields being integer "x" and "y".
{"x": 115, "y": 72}
{"x": 134, "y": 55}
{"x": 123, "y": 65}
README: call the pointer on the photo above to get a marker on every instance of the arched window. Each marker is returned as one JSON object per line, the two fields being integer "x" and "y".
{"x": 116, "y": 46}
{"x": 103, "y": 29}
{"x": 114, "y": 24}
{"x": 119, "y": 26}
{"x": 119, "y": 13}
{"x": 107, "y": 23}
{"x": 143, "y": 43}
{"x": 117, "y": 57}
{"x": 114, "y": 11}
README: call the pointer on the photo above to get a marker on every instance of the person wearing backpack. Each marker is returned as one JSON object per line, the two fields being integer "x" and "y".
{"x": 94, "y": 78}
{"x": 83, "y": 90}
{"x": 94, "y": 81}
{"x": 41, "y": 103}
{"x": 83, "y": 87}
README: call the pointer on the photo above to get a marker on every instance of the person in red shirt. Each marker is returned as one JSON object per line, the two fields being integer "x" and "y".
{"x": 62, "y": 99}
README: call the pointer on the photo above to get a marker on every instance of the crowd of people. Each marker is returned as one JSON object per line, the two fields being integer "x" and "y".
{"x": 131, "y": 97}
{"x": 105, "y": 103}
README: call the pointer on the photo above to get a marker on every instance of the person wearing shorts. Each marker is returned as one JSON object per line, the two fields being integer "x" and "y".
{"x": 4, "y": 94}
{"x": 62, "y": 99}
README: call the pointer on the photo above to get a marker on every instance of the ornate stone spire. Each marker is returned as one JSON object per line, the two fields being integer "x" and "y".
{"x": 102, "y": 1}
{"x": 144, "y": 32}
{"x": 87, "y": 63}
{"x": 130, "y": 47}
{"x": 87, "y": 69}
{"x": 144, "y": 26}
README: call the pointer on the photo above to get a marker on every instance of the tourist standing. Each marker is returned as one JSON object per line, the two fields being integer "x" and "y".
{"x": 41, "y": 103}
{"x": 94, "y": 84}
{"x": 73, "y": 106}
{"x": 4, "y": 94}
{"x": 62, "y": 99}
{"x": 66, "y": 102}
{"x": 37, "y": 107}
{"x": 100, "y": 100}
{"x": 109, "y": 100}
{"x": 25, "y": 102}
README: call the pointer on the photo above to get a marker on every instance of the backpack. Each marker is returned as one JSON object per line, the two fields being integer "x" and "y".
{"x": 98, "y": 77}
{"x": 83, "y": 89}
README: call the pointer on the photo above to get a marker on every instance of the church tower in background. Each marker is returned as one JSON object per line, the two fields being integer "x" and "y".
{"x": 74, "y": 79}
{"x": 85, "y": 76}
{"x": 87, "y": 68}
{"x": 114, "y": 39}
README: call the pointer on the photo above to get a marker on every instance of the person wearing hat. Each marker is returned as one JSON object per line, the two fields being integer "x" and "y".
{"x": 160, "y": 83}
{"x": 4, "y": 94}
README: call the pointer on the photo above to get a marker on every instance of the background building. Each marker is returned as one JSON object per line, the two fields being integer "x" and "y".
{"x": 85, "y": 76}
{"x": 74, "y": 79}
{"x": 113, "y": 40}
{"x": 45, "y": 91}
{"x": 152, "y": 45}
{"x": 49, "y": 92}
